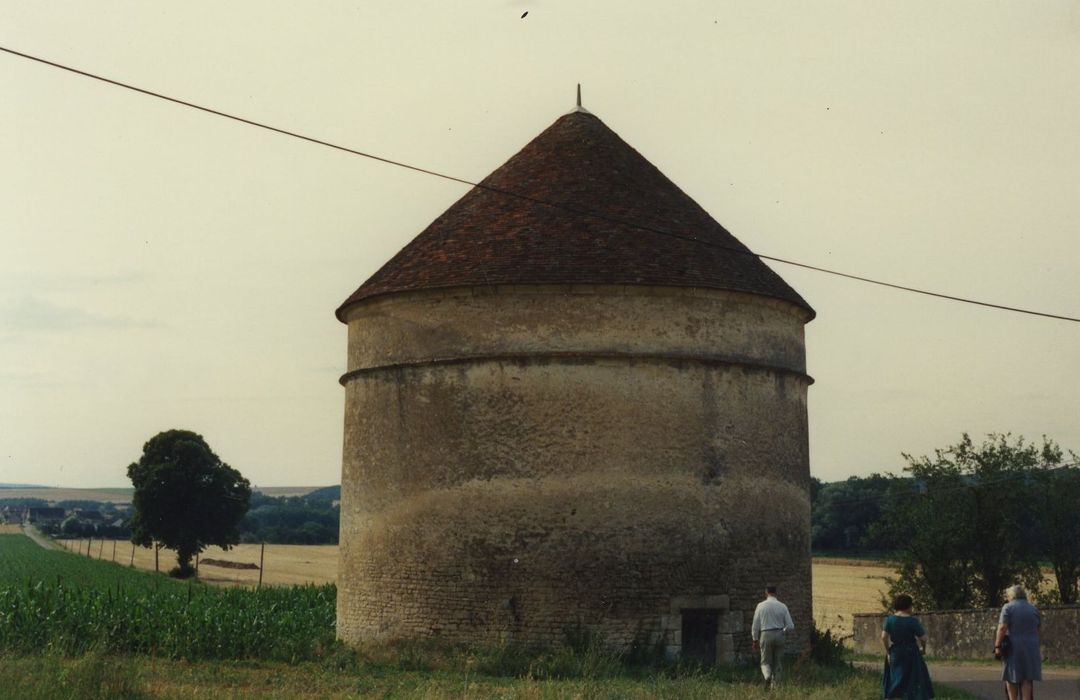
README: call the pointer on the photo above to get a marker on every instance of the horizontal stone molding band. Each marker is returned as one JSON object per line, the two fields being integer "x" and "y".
{"x": 351, "y": 311}
{"x": 577, "y": 358}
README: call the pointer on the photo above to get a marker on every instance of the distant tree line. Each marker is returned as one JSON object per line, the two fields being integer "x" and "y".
{"x": 843, "y": 513}
{"x": 309, "y": 519}
{"x": 27, "y": 502}
{"x": 965, "y": 523}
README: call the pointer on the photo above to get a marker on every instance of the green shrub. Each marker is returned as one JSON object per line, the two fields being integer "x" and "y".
{"x": 825, "y": 649}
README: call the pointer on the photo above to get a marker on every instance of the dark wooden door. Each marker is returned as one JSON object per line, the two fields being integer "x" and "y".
{"x": 699, "y": 628}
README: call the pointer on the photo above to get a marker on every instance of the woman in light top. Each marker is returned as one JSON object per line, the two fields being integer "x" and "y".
{"x": 904, "y": 639}
{"x": 1023, "y": 663}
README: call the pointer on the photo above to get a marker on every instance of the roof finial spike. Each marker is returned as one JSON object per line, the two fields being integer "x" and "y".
{"x": 579, "y": 108}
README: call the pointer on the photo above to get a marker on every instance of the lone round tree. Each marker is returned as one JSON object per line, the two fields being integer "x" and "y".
{"x": 185, "y": 497}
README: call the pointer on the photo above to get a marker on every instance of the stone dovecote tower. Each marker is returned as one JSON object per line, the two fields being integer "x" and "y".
{"x": 555, "y": 421}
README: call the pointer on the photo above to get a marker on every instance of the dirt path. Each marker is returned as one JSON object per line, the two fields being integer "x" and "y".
{"x": 32, "y": 532}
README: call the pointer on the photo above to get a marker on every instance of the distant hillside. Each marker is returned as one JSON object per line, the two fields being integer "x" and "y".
{"x": 280, "y": 491}
{"x": 329, "y": 493}
{"x": 102, "y": 495}
{"x": 123, "y": 495}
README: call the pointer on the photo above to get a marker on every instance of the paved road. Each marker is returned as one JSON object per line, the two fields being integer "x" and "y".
{"x": 985, "y": 681}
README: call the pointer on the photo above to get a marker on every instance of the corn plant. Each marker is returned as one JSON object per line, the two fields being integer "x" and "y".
{"x": 60, "y": 602}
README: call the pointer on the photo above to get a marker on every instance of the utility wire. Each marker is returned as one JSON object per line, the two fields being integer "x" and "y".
{"x": 517, "y": 195}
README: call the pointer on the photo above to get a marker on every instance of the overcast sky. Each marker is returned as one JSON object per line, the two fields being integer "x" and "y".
{"x": 164, "y": 268}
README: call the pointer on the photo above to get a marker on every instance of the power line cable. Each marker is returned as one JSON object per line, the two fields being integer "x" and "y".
{"x": 518, "y": 195}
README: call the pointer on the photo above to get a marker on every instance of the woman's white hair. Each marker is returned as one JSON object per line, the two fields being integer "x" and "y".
{"x": 1016, "y": 592}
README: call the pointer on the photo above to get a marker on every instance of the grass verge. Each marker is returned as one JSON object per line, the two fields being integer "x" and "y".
{"x": 415, "y": 672}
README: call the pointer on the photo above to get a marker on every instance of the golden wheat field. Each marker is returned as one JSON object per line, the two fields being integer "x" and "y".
{"x": 843, "y": 587}
{"x": 282, "y": 564}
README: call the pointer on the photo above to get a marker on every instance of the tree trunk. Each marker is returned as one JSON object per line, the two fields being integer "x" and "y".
{"x": 1066, "y": 580}
{"x": 184, "y": 555}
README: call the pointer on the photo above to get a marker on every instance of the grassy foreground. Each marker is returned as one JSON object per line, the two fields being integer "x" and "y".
{"x": 417, "y": 672}
{"x": 95, "y": 676}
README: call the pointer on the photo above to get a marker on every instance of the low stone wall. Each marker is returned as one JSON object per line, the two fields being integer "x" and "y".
{"x": 969, "y": 634}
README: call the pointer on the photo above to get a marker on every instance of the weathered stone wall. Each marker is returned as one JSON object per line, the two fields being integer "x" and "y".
{"x": 583, "y": 319}
{"x": 969, "y": 634}
{"x": 522, "y": 461}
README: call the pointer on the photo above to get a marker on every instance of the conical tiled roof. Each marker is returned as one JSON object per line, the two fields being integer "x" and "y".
{"x": 579, "y": 187}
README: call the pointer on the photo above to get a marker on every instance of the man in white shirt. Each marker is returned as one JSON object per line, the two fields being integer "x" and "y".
{"x": 771, "y": 622}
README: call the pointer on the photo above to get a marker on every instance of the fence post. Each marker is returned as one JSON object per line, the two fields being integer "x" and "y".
{"x": 89, "y": 541}
{"x": 262, "y": 551}
{"x": 114, "y": 551}
{"x": 132, "y": 562}
{"x": 101, "y": 548}
{"x": 157, "y": 546}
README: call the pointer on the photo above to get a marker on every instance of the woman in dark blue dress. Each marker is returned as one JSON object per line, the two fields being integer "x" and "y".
{"x": 1023, "y": 662}
{"x": 904, "y": 638}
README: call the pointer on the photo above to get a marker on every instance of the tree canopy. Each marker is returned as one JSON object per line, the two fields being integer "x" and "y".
{"x": 1056, "y": 505}
{"x": 185, "y": 497}
{"x": 309, "y": 519}
{"x": 975, "y": 519}
{"x": 843, "y": 513}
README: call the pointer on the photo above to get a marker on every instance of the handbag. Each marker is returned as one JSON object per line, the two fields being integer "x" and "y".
{"x": 1006, "y": 646}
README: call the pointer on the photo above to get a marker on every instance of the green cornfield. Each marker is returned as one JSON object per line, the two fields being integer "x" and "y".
{"x": 58, "y": 601}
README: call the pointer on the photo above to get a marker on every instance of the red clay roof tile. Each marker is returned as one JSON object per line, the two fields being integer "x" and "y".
{"x": 578, "y": 183}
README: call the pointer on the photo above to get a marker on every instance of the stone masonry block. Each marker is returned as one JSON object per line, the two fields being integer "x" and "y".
{"x": 718, "y": 602}
{"x": 731, "y": 623}
{"x": 684, "y": 601}
{"x": 725, "y": 648}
